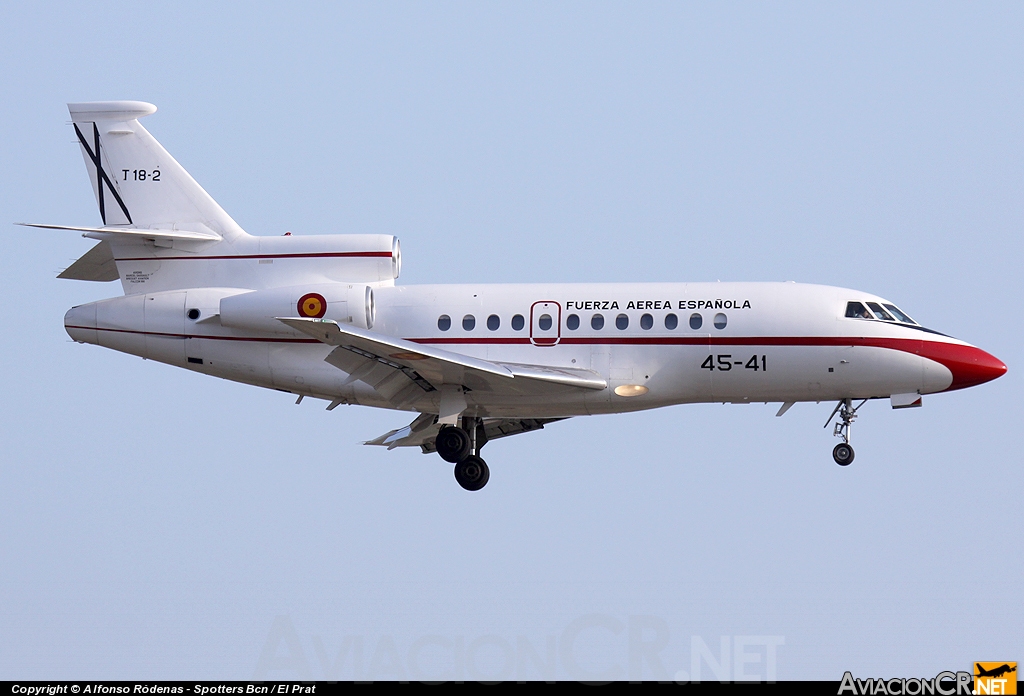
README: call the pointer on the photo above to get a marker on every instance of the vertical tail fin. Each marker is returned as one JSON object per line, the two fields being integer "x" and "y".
{"x": 137, "y": 183}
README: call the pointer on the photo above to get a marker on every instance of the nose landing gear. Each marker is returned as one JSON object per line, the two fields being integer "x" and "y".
{"x": 843, "y": 453}
{"x": 461, "y": 447}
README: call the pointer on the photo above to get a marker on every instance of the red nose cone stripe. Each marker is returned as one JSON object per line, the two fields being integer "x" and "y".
{"x": 969, "y": 365}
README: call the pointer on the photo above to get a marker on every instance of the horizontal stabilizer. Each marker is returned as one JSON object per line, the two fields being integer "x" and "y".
{"x": 96, "y": 264}
{"x": 132, "y": 233}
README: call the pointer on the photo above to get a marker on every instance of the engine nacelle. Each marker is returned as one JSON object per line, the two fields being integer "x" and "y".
{"x": 258, "y": 310}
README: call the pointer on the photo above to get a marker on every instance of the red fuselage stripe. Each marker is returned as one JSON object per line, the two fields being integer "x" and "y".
{"x": 324, "y": 255}
{"x": 903, "y": 344}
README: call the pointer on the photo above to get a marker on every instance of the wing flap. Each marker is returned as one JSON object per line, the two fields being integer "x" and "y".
{"x": 437, "y": 366}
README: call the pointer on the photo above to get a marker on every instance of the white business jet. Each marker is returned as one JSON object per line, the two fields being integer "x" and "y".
{"x": 321, "y": 317}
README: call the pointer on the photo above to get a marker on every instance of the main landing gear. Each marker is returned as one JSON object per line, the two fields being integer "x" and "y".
{"x": 843, "y": 452}
{"x": 461, "y": 447}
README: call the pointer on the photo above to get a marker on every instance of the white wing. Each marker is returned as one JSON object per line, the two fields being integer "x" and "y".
{"x": 422, "y": 431}
{"x": 378, "y": 359}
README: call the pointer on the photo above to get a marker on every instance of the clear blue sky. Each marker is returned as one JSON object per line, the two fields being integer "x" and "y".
{"x": 161, "y": 524}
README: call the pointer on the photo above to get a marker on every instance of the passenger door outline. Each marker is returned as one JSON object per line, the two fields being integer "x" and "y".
{"x": 552, "y": 336}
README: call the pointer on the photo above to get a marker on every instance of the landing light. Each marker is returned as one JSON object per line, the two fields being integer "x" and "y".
{"x": 631, "y": 390}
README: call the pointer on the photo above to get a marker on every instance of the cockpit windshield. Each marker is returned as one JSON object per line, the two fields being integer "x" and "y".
{"x": 888, "y": 312}
{"x": 879, "y": 312}
{"x": 856, "y": 310}
{"x": 900, "y": 315}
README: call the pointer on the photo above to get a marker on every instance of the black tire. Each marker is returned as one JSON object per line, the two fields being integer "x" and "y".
{"x": 453, "y": 444}
{"x": 472, "y": 473}
{"x": 843, "y": 454}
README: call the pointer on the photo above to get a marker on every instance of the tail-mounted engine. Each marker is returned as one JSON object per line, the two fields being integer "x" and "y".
{"x": 258, "y": 310}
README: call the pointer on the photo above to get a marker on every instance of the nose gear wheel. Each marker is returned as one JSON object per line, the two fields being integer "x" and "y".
{"x": 843, "y": 454}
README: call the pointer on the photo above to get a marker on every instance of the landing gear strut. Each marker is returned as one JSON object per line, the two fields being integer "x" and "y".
{"x": 843, "y": 453}
{"x": 461, "y": 447}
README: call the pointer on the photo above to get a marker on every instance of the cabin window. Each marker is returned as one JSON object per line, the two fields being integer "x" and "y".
{"x": 671, "y": 321}
{"x": 855, "y": 310}
{"x": 900, "y": 315}
{"x": 544, "y": 322}
{"x": 469, "y": 322}
{"x": 572, "y": 322}
{"x": 646, "y": 322}
{"x": 879, "y": 312}
{"x": 721, "y": 320}
{"x": 493, "y": 322}
{"x": 597, "y": 322}
{"x": 696, "y": 321}
{"x": 622, "y": 322}
{"x": 518, "y": 322}
{"x": 444, "y": 322}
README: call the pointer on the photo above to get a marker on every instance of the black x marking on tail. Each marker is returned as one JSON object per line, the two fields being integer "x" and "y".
{"x": 101, "y": 175}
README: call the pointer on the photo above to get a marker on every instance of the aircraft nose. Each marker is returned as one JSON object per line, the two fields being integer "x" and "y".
{"x": 970, "y": 366}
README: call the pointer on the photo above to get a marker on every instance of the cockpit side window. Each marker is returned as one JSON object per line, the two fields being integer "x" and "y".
{"x": 900, "y": 315}
{"x": 856, "y": 310}
{"x": 879, "y": 312}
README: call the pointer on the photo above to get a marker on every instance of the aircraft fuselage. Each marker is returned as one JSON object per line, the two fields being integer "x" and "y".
{"x": 664, "y": 343}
